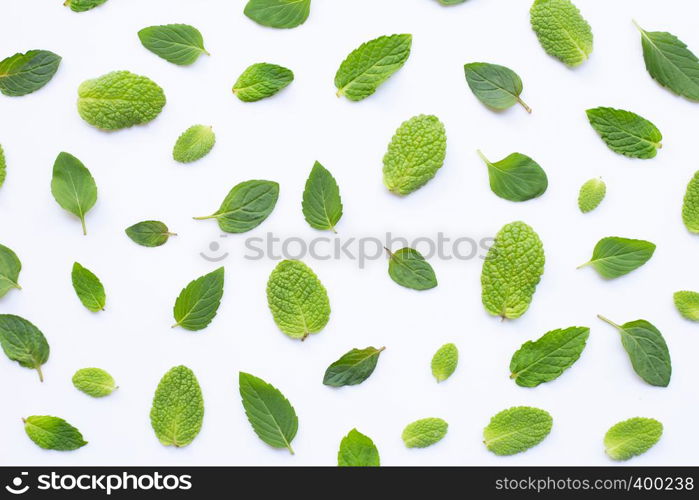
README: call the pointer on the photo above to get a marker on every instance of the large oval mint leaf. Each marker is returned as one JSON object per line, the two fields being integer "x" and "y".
{"x": 261, "y": 80}
{"x": 83, "y": 5}
{"x": 10, "y": 267}
{"x": 591, "y": 195}
{"x": 179, "y": 44}
{"x": 198, "y": 302}
{"x": 444, "y": 362}
{"x": 632, "y": 437}
{"x": 408, "y": 268}
{"x": 687, "y": 304}
{"x": 246, "y": 206}
{"x": 53, "y": 433}
{"x": 353, "y": 367}
{"x": 548, "y": 357}
{"x": 23, "y": 342}
{"x": 177, "y": 413}
{"x": 357, "y": 450}
{"x": 149, "y": 233}
{"x": 614, "y": 257}
{"x": 297, "y": 299}
{"x": 271, "y": 415}
{"x": 194, "y": 144}
{"x": 371, "y": 64}
{"x": 647, "y": 350}
{"x": 516, "y": 430}
{"x": 516, "y": 177}
{"x": 278, "y": 13}
{"x": 625, "y": 132}
{"x": 23, "y": 74}
{"x": 690, "y": 205}
{"x": 495, "y": 86}
{"x": 88, "y": 287}
{"x": 322, "y": 205}
{"x": 424, "y": 432}
{"x": 94, "y": 382}
{"x": 73, "y": 186}
{"x": 562, "y": 31}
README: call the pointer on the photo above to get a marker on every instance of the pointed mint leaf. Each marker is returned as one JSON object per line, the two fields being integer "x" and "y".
{"x": 322, "y": 205}
{"x": 198, "y": 302}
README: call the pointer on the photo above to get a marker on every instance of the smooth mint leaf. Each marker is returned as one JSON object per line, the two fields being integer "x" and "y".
{"x": 23, "y": 74}
{"x": 690, "y": 205}
{"x": 625, "y": 132}
{"x": 408, "y": 268}
{"x": 10, "y": 267}
{"x": 516, "y": 430}
{"x": 73, "y": 186}
{"x": 83, "y": 5}
{"x": 516, "y": 177}
{"x": 614, "y": 257}
{"x": 23, "y": 342}
{"x": 278, "y": 13}
{"x": 149, "y": 233}
{"x": 357, "y": 450}
{"x": 496, "y": 86}
{"x": 687, "y": 304}
{"x": 591, "y": 195}
{"x": 177, "y": 413}
{"x": 53, "y": 433}
{"x": 562, "y": 31}
{"x": 632, "y": 437}
{"x": 94, "y": 382}
{"x": 444, "y": 362}
{"x": 198, "y": 302}
{"x": 88, "y": 287}
{"x": 322, "y": 205}
{"x": 194, "y": 144}
{"x": 179, "y": 44}
{"x": 352, "y": 368}
{"x": 424, "y": 432}
{"x": 261, "y": 80}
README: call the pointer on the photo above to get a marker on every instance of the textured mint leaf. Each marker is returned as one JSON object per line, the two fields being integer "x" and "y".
{"x": 614, "y": 257}
{"x": 83, "y": 5}
{"x": 357, "y": 450}
{"x": 632, "y": 437}
{"x": 260, "y": 81}
{"x": 690, "y": 205}
{"x": 647, "y": 350}
{"x": 3, "y": 167}
{"x": 53, "y": 433}
{"x": 177, "y": 413}
{"x": 687, "y": 304}
{"x": 516, "y": 177}
{"x": 444, "y": 362}
{"x": 424, "y": 432}
{"x": 278, "y": 13}
{"x": 194, "y": 144}
{"x": 119, "y": 99}
{"x": 271, "y": 415}
{"x": 94, "y": 382}
{"x": 371, "y": 64}
{"x": 516, "y": 430}
{"x": 73, "y": 186}
{"x": 511, "y": 270}
{"x": 322, "y": 205}
{"x": 625, "y": 132}
{"x": 88, "y": 287}
{"x": 591, "y": 195}
{"x": 198, "y": 302}
{"x": 23, "y": 342}
{"x": 495, "y": 86}
{"x": 149, "y": 233}
{"x": 179, "y": 44}
{"x": 415, "y": 154}
{"x": 562, "y": 31}
{"x": 548, "y": 357}
{"x": 297, "y": 299}
{"x": 23, "y": 74}
{"x": 353, "y": 367}
{"x": 10, "y": 267}
{"x": 408, "y": 268}
{"x": 246, "y": 206}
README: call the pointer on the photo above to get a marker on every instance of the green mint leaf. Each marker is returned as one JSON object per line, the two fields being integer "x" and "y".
{"x": 591, "y": 195}
{"x": 415, "y": 153}
{"x": 10, "y": 267}
{"x": 687, "y": 304}
{"x": 271, "y": 415}
{"x": 261, "y": 80}
{"x": 614, "y": 257}
{"x": 149, "y": 233}
{"x": 511, "y": 270}
{"x": 94, "y": 382}
{"x": 451, "y": 2}
{"x": 23, "y": 342}
{"x": 177, "y": 413}
{"x": 179, "y": 44}
{"x": 495, "y": 86}
{"x": 83, "y": 5}
{"x": 444, "y": 362}
{"x": 408, "y": 268}
{"x": 647, "y": 350}
{"x": 53, "y": 433}
{"x": 424, "y": 432}
{"x": 562, "y": 31}
{"x": 278, "y": 13}
{"x": 516, "y": 430}
{"x": 297, "y": 299}
{"x": 88, "y": 287}
{"x": 671, "y": 63}
{"x": 690, "y": 205}
{"x": 119, "y": 99}
{"x": 198, "y": 302}
{"x": 371, "y": 64}
{"x": 23, "y": 74}
{"x": 632, "y": 437}
{"x": 516, "y": 177}
{"x": 246, "y": 206}
{"x": 352, "y": 368}
{"x": 73, "y": 187}
{"x": 322, "y": 205}
{"x": 625, "y": 132}
{"x": 194, "y": 144}
{"x": 357, "y": 450}
{"x": 548, "y": 357}
{"x": 3, "y": 167}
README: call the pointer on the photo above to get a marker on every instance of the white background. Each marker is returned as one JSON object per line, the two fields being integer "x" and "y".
{"x": 279, "y": 139}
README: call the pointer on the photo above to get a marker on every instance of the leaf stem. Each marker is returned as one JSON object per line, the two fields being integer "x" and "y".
{"x": 483, "y": 156}
{"x": 288, "y": 447}
{"x": 524, "y": 105}
{"x": 583, "y": 265}
{"x": 41, "y": 375}
{"x": 390, "y": 254}
{"x": 610, "y": 322}
{"x": 205, "y": 217}
{"x": 82, "y": 221}
{"x": 637, "y": 26}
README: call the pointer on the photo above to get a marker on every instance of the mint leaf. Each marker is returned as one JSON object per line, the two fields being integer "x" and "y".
{"x": 10, "y": 267}
{"x": 53, "y": 433}
{"x": 194, "y": 144}
{"x": 73, "y": 187}
{"x": 562, "y": 31}
{"x": 3, "y": 167}
{"x": 322, "y": 205}
{"x": 690, "y": 205}
{"x": 451, "y": 2}
{"x": 625, "y": 132}
{"x": 444, "y": 362}
{"x": 424, "y": 432}
{"x": 687, "y": 304}
{"x": 119, "y": 99}
{"x": 278, "y": 13}
{"x": 271, "y": 415}
{"x": 89, "y": 288}
{"x": 408, "y": 268}
{"x": 177, "y": 413}
{"x": 591, "y": 195}
{"x": 297, "y": 299}
{"x": 246, "y": 206}
{"x": 198, "y": 302}
{"x": 23, "y": 342}
{"x": 357, "y": 450}
{"x": 614, "y": 257}
{"x": 647, "y": 350}
{"x": 516, "y": 177}
{"x": 352, "y": 368}
{"x": 495, "y": 86}
{"x": 94, "y": 382}
{"x": 260, "y": 81}
{"x": 83, "y": 5}
{"x": 149, "y": 233}
{"x": 371, "y": 64}
{"x": 632, "y": 437}
{"x": 23, "y": 74}
{"x": 415, "y": 154}
{"x": 516, "y": 430}
{"x": 548, "y": 357}
{"x": 179, "y": 44}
